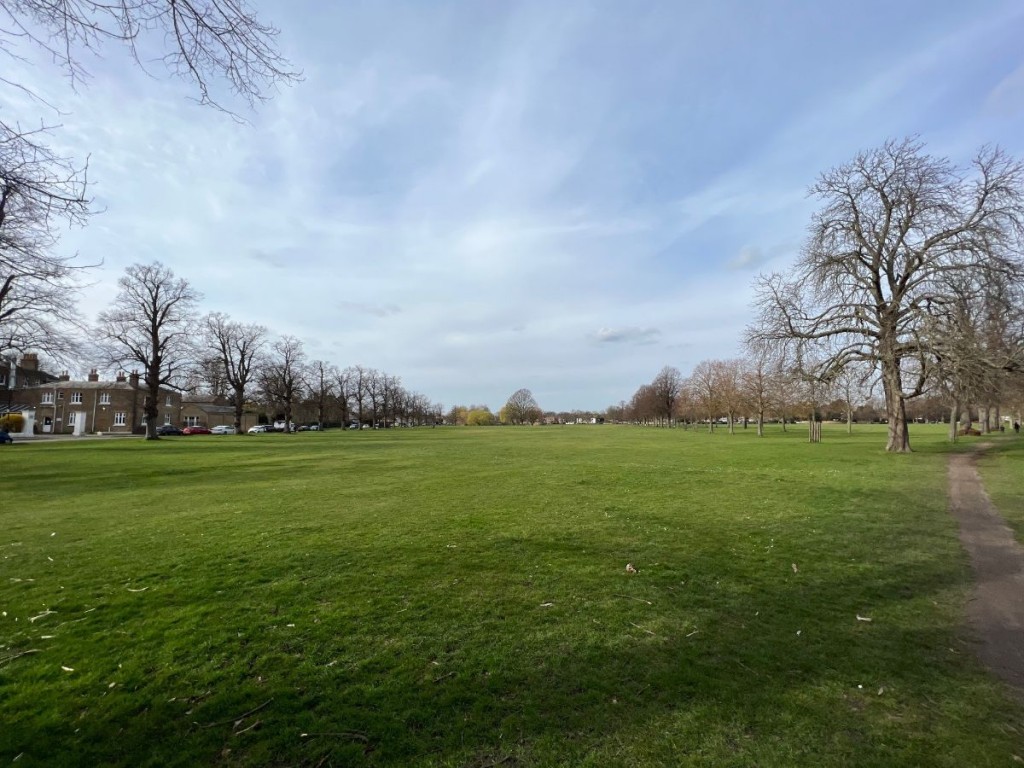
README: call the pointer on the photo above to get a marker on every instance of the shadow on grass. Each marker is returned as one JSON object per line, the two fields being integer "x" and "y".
{"x": 766, "y": 670}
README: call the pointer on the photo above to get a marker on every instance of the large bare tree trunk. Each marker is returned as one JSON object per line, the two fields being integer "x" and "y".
{"x": 760, "y": 423}
{"x": 895, "y": 408}
{"x": 239, "y": 403}
{"x": 954, "y": 417}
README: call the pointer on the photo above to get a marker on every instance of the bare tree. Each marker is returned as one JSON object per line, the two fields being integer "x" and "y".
{"x": 40, "y": 193}
{"x": 281, "y": 376}
{"x": 643, "y": 406}
{"x": 759, "y": 379}
{"x": 895, "y": 224}
{"x": 853, "y": 384}
{"x": 343, "y": 395}
{"x": 521, "y": 408}
{"x": 703, "y": 384}
{"x": 729, "y": 390}
{"x": 150, "y": 324}
{"x": 360, "y": 379}
{"x": 667, "y": 386}
{"x": 320, "y": 385}
{"x": 236, "y": 348}
{"x": 202, "y": 40}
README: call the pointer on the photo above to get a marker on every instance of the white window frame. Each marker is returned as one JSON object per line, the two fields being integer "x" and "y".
{"x": 167, "y": 419}
{"x": 120, "y": 419}
{"x": 104, "y": 398}
{"x": 76, "y": 398}
{"x": 47, "y": 398}
{"x": 167, "y": 401}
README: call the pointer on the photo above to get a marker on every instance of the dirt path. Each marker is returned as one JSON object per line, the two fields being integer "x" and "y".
{"x": 996, "y": 608}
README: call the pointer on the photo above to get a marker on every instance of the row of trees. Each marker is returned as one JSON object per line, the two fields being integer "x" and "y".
{"x": 762, "y": 388}
{"x": 152, "y": 324}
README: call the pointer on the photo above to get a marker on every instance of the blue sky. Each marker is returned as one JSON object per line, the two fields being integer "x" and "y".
{"x": 483, "y": 196}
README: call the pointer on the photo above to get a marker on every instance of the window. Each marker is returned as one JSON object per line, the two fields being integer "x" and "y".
{"x": 167, "y": 418}
{"x": 47, "y": 398}
{"x": 105, "y": 398}
{"x": 76, "y": 397}
{"x": 167, "y": 402}
{"x": 60, "y": 395}
{"x": 120, "y": 419}
{"x": 191, "y": 421}
{"x": 3, "y": 378}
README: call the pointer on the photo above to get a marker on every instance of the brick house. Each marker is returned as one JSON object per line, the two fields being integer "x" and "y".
{"x": 15, "y": 377}
{"x": 78, "y": 407}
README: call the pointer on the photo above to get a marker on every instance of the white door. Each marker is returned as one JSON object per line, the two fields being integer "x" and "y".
{"x": 78, "y": 422}
{"x": 30, "y": 422}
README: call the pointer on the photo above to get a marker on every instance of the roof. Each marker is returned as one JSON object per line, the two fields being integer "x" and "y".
{"x": 16, "y": 408}
{"x": 125, "y": 385}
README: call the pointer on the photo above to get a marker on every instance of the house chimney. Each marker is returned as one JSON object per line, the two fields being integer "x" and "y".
{"x": 93, "y": 375}
{"x": 133, "y": 379}
{"x": 30, "y": 361}
{"x": 120, "y": 377}
{"x": 64, "y": 376}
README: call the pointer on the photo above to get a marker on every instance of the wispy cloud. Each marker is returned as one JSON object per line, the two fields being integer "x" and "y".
{"x": 460, "y": 194}
{"x": 631, "y": 335}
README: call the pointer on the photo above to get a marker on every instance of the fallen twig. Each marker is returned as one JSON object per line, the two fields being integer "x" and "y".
{"x": 630, "y": 597}
{"x": 19, "y": 655}
{"x": 43, "y": 615}
{"x": 443, "y": 677}
{"x": 236, "y": 720}
{"x": 645, "y": 630}
{"x": 136, "y": 590}
{"x": 254, "y": 725}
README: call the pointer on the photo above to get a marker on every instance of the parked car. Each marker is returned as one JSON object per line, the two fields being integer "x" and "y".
{"x": 223, "y": 429}
{"x": 167, "y": 429}
{"x": 260, "y": 429}
{"x": 196, "y": 430}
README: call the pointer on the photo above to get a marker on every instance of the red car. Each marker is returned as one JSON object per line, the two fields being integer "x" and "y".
{"x": 195, "y": 431}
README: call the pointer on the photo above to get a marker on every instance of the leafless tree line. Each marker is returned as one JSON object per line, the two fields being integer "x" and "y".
{"x": 756, "y": 389}
{"x": 152, "y": 324}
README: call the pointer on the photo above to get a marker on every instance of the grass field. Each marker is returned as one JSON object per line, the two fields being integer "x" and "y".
{"x": 458, "y": 597}
{"x": 1002, "y": 470}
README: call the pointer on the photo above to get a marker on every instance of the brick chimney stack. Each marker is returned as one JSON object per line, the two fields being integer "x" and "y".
{"x": 133, "y": 379}
{"x": 93, "y": 375}
{"x": 120, "y": 377}
{"x": 64, "y": 376}
{"x": 30, "y": 361}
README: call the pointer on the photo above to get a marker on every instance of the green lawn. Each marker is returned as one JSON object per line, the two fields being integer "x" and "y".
{"x": 1001, "y": 470}
{"x": 458, "y": 597}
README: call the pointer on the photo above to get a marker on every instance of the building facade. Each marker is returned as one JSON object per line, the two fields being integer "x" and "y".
{"x": 67, "y": 406}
